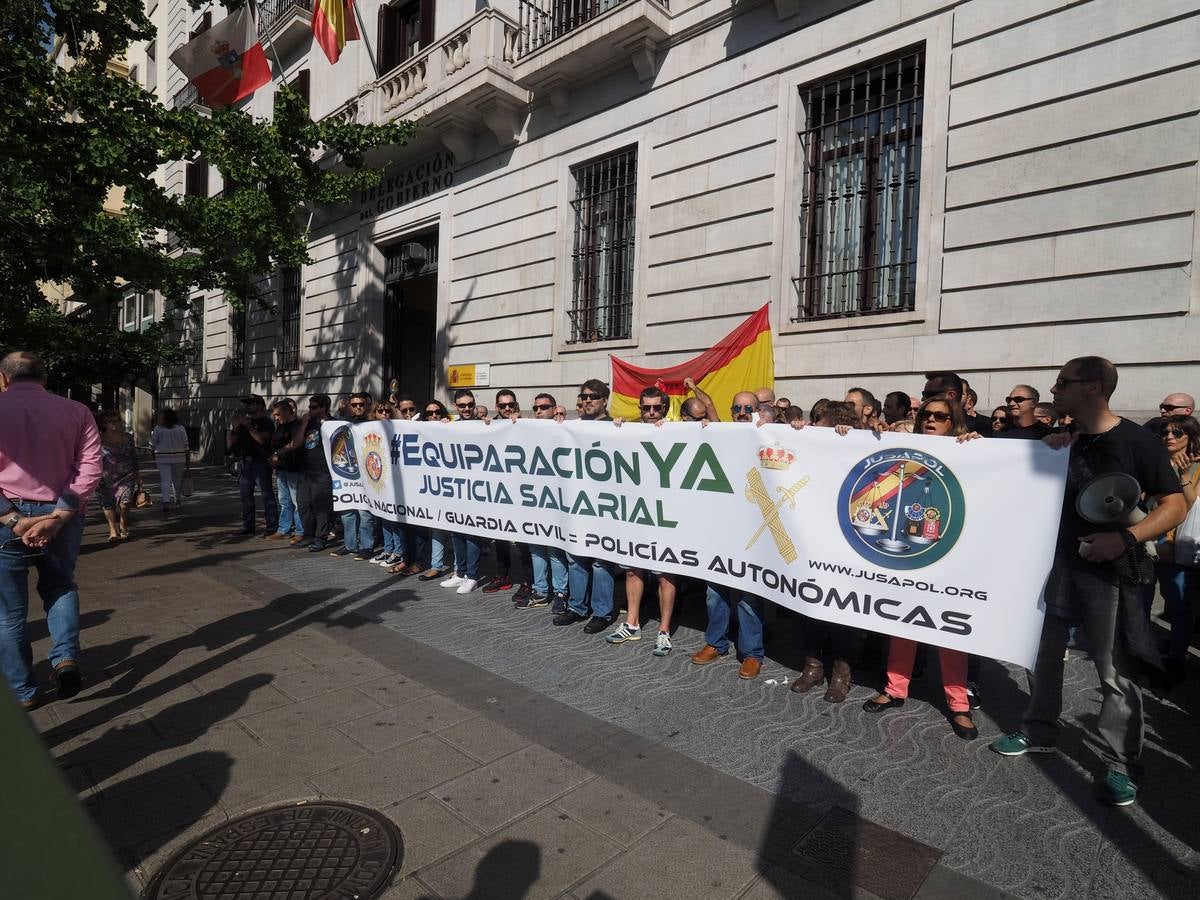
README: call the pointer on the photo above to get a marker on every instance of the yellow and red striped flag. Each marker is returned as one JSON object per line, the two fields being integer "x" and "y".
{"x": 742, "y": 361}
{"x": 333, "y": 26}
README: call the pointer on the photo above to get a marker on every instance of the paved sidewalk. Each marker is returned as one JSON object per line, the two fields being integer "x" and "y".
{"x": 520, "y": 760}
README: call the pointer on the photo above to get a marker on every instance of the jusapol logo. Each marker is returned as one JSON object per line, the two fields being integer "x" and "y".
{"x": 343, "y": 458}
{"x": 901, "y": 509}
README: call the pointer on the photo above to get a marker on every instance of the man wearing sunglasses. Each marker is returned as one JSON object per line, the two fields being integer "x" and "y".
{"x": 548, "y": 564}
{"x": 1177, "y": 405}
{"x": 590, "y": 581}
{"x": 1023, "y": 424}
{"x": 720, "y": 598}
{"x": 1087, "y": 585}
{"x": 358, "y": 525}
{"x": 509, "y": 409}
{"x": 467, "y": 547}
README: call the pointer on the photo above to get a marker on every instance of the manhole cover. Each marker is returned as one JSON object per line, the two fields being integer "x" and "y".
{"x": 302, "y": 850}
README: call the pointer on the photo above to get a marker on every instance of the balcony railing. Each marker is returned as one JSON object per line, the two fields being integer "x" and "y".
{"x": 543, "y": 21}
{"x": 270, "y": 12}
{"x": 459, "y": 84}
{"x": 186, "y": 96}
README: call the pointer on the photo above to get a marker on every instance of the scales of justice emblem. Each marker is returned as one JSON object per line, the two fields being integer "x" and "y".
{"x": 901, "y": 509}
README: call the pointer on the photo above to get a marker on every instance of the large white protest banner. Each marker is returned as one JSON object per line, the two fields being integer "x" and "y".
{"x": 909, "y": 535}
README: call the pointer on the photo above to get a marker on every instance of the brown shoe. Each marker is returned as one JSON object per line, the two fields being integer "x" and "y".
{"x": 276, "y": 536}
{"x": 810, "y": 676}
{"x": 839, "y": 682}
{"x": 707, "y": 654}
{"x": 31, "y": 705}
{"x": 66, "y": 676}
{"x": 296, "y": 539}
{"x": 750, "y": 668}
{"x": 414, "y": 569}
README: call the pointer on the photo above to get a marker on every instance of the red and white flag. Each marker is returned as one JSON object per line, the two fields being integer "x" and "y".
{"x": 227, "y": 62}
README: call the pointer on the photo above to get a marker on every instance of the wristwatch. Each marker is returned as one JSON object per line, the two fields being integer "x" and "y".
{"x": 11, "y": 520}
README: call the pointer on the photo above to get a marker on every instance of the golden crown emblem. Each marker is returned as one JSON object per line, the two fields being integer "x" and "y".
{"x": 372, "y": 441}
{"x": 776, "y": 458}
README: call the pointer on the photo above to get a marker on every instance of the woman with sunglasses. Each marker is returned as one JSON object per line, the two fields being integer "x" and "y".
{"x": 937, "y": 417}
{"x": 1177, "y": 581}
{"x": 435, "y": 411}
{"x": 1000, "y": 419}
{"x": 391, "y": 555}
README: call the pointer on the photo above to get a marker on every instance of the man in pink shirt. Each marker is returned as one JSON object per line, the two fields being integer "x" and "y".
{"x": 49, "y": 464}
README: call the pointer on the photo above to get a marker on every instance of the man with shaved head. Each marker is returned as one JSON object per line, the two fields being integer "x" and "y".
{"x": 1177, "y": 405}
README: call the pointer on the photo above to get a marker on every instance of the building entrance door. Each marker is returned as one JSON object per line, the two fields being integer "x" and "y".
{"x": 410, "y": 317}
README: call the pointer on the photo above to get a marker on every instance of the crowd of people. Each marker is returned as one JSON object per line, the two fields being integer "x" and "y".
{"x": 1103, "y": 577}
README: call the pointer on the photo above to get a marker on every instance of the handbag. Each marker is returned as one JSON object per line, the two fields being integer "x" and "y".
{"x": 1187, "y": 537}
{"x": 185, "y": 487}
{"x": 142, "y": 498}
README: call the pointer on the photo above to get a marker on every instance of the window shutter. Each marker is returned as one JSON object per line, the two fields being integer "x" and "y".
{"x": 388, "y": 49}
{"x": 427, "y": 32}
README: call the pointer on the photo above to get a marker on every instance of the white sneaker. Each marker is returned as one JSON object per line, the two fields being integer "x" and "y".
{"x": 453, "y": 581}
{"x": 468, "y": 585}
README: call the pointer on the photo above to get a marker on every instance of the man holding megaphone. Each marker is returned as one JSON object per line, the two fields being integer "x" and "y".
{"x": 1099, "y": 565}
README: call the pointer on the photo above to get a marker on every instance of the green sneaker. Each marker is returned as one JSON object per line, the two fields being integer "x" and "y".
{"x": 1017, "y": 744}
{"x": 1116, "y": 789}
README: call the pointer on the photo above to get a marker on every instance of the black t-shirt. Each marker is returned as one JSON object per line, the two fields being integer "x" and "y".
{"x": 1034, "y": 432}
{"x": 980, "y": 424}
{"x": 1128, "y": 448}
{"x": 312, "y": 450}
{"x": 246, "y": 446}
{"x": 289, "y": 461}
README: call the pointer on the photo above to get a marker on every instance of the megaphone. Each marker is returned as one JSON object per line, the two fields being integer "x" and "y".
{"x": 1110, "y": 500}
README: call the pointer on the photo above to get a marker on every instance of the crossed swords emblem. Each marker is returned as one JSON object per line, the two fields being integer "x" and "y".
{"x": 757, "y": 493}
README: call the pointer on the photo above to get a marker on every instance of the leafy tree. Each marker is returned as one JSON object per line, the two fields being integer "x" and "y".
{"x": 70, "y": 133}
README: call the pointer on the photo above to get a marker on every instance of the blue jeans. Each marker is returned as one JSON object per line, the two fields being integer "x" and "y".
{"x": 393, "y": 537}
{"x": 437, "y": 553}
{"x": 1178, "y": 585}
{"x": 466, "y": 555}
{"x": 358, "y": 529}
{"x": 257, "y": 472}
{"x": 552, "y": 561}
{"x": 289, "y": 503}
{"x": 55, "y": 565}
{"x": 750, "y": 627}
{"x": 602, "y": 574}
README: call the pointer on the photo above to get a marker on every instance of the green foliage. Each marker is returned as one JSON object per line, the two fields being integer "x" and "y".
{"x": 73, "y": 131}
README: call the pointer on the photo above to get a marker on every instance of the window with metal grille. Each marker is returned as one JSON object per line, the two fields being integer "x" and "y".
{"x": 289, "y": 319}
{"x": 862, "y": 170}
{"x": 197, "y": 330}
{"x": 602, "y": 262}
{"x": 237, "y": 342}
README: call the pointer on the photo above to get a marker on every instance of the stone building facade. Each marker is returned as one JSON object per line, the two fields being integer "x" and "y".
{"x": 990, "y": 187}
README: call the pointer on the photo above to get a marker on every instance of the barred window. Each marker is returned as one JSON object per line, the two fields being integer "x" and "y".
{"x": 602, "y": 263}
{"x": 862, "y": 169}
{"x": 289, "y": 319}
{"x": 197, "y": 333}
{"x": 237, "y": 341}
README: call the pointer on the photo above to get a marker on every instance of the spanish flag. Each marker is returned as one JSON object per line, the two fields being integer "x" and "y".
{"x": 742, "y": 361}
{"x": 333, "y": 26}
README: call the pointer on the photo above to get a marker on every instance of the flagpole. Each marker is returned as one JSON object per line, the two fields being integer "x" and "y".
{"x": 261, "y": 37}
{"x": 362, "y": 30}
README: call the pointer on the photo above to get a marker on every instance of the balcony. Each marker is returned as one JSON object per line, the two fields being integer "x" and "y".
{"x": 564, "y": 42}
{"x": 186, "y": 96}
{"x": 459, "y": 86}
{"x": 284, "y": 23}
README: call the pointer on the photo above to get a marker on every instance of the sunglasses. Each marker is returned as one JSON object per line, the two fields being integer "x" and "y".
{"x": 1017, "y": 400}
{"x": 465, "y": 405}
{"x": 357, "y": 403}
{"x": 541, "y": 407}
{"x": 506, "y": 406}
{"x": 433, "y": 412}
{"x": 936, "y": 416}
{"x": 999, "y": 418}
{"x": 1174, "y": 433}
{"x": 407, "y": 409}
{"x": 651, "y": 407}
{"x": 1063, "y": 382}
{"x": 586, "y": 397}
{"x": 1167, "y": 407}
{"x": 747, "y": 408}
